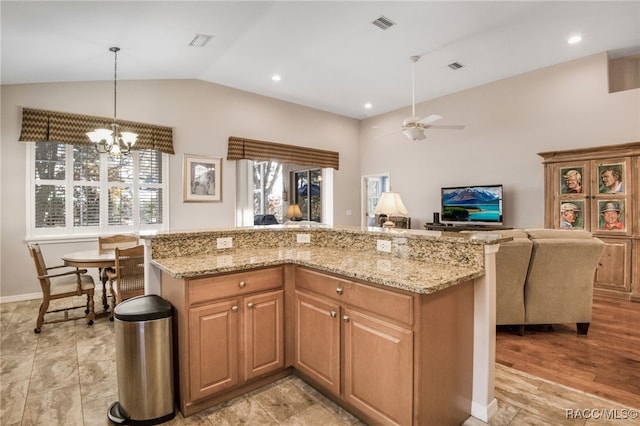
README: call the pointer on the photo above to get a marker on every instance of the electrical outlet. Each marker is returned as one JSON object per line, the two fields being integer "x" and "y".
{"x": 384, "y": 245}
{"x": 303, "y": 238}
{"x": 223, "y": 243}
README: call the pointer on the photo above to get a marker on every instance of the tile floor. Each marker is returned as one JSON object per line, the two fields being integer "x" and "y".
{"x": 67, "y": 376}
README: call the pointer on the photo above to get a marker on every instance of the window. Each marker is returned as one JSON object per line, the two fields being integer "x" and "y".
{"x": 308, "y": 193}
{"x": 76, "y": 191}
{"x": 268, "y": 189}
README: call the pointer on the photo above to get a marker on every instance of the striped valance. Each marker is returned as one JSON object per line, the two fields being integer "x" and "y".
{"x": 249, "y": 149}
{"x": 40, "y": 125}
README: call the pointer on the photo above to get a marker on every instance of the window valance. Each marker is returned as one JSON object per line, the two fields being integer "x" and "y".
{"x": 40, "y": 125}
{"x": 249, "y": 149}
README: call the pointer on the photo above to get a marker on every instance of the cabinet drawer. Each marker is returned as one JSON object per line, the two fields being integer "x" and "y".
{"x": 388, "y": 303}
{"x": 236, "y": 284}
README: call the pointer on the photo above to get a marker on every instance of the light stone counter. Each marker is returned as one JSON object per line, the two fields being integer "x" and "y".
{"x": 420, "y": 261}
{"x": 411, "y": 275}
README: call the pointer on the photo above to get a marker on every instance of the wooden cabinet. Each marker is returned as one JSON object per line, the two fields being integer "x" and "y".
{"x": 318, "y": 340}
{"x": 230, "y": 332}
{"x": 363, "y": 357}
{"x": 597, "y": 189}
{"x": 391, "y": 357}
{"x": 213, "y": 353}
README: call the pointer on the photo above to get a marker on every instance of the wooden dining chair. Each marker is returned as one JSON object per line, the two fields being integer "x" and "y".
{"x": 128, "y": 278}
{"x": 58, "y": 282}
{"x": 112, "y": 242}
{"x": 108, "y": 243}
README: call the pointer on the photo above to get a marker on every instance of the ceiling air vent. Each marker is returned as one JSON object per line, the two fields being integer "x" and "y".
{"x": 455, "y": 65}
{"x": 200, "y": 40}
{"x": 383, "y": 22}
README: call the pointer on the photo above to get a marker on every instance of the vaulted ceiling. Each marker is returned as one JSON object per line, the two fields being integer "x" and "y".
{"x": 329, "y": 54}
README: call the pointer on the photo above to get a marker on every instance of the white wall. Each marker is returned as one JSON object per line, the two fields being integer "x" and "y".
{"x": 508, "y": 122}
{"x": 203, "y": 116}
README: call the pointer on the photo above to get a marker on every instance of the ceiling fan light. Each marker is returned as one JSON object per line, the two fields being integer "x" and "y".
{"x": 414, "y": 133}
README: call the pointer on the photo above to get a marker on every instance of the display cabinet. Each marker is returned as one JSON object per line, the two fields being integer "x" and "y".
{"x": 596, "y": 189}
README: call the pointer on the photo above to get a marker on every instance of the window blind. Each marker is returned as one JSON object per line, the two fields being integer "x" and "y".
{"x": 40, "y": 125}
{"x": 250, "y": 149}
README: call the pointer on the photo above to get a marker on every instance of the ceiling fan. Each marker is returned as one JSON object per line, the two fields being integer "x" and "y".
{"x": 414, "y": 127}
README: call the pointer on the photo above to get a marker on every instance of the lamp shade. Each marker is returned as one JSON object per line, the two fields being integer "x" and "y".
{"x": 390, "y": 203}
{"x": 293, "y": 211}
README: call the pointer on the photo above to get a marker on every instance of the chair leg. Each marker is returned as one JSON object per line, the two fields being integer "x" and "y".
{"x": 92, "y": 312}
{"x": 44, "y": 306}
{"x": 583, "y": 327}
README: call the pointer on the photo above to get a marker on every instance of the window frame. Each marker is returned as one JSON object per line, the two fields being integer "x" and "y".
{"x": 69, "y": 231}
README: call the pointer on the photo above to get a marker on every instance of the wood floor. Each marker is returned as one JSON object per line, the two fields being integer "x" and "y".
{"x": 606, "y": 362}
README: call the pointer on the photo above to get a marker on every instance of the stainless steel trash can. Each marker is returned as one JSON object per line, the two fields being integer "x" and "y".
{"x": 144, "y": 362}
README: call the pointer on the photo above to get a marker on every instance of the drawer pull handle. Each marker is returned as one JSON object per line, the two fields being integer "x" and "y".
{"x": 234, "y": 309}
{"x": 333, "y": 314}
{"x": 249, "y": 305}
{"x": 346, "y": 318}
{"x": 242, "y": 284}
{"x": 339, "y": 290}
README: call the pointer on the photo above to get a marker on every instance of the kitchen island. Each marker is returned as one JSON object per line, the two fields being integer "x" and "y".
{"x": 397, "y": 337}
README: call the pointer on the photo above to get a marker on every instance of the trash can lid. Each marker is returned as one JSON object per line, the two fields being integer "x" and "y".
{"x": 143, "y": 308}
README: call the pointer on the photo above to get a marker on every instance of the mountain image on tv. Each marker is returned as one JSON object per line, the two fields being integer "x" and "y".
{"x": 478, "y": 203}
{"x": 475, "y": 195}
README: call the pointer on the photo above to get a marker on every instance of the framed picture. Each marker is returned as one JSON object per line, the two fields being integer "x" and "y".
{"x": 571, "y": 180}
{"x": 610, "y": 178}
{"x": 571, "y": 214}
{"x": 202, "y": 178}
{"x": 611, "y": 215}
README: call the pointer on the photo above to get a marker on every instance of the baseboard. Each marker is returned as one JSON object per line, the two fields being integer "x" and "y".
{"x": 20, "y": 297}
{"x": 33, "y": 296}
{"x": 484, "y": 412}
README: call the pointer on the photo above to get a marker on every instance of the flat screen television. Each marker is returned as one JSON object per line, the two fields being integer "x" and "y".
{"x": 472, "y": 205}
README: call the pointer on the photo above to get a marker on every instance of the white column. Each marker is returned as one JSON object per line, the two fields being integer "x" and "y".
{"x": 151, "y": 273}
{"x": 484, "y": 404}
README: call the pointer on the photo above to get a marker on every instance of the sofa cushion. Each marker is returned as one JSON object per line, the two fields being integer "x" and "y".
{"x": 557, "y": 233}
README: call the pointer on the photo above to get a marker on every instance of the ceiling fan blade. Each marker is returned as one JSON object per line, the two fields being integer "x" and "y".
{"x": 447, "y": 126}
{"x": 429, "y": 119}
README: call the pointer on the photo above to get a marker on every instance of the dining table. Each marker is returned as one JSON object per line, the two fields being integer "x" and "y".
{"x": 95, "y": 258}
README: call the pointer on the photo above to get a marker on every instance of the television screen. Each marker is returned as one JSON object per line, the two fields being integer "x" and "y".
{"x": 472, "y": 205}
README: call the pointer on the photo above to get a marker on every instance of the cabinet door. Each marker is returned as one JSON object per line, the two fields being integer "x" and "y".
{"x": 614, "y": 267}
{"x": 213, "y": 348}
{"x": 263, "y": 333}
{"x": 317, "y": 340}
{"x": 378, "y": 368}
{"x": 612, "y": 209}
{"x": 570, "y": 196}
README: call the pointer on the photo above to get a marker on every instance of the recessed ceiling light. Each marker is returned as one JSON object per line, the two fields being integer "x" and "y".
{"x": 577, "y": 38}
{"x": 276, "y": 77}
{"x": 368, "y": 105}
{"x": 200, "y": 40}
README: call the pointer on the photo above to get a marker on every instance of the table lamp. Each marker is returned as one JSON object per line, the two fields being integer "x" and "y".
{"x": 390, "y": 204}
{"x": 293, "y": 212}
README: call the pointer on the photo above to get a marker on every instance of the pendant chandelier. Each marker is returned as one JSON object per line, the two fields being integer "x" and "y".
{"x": 113, "y": 141}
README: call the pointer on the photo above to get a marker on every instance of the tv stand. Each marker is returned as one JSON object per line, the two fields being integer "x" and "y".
{"x": 458, "y": 228}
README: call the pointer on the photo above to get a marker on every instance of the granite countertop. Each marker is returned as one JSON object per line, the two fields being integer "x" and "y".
{"x": 406, "y": 274}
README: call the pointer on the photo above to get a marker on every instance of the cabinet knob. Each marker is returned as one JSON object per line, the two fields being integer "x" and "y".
{"x": 333, "y": 314}
{"x": 346, "y": 318}
{"x": 234, "y": 309}
{"x": 249, "y": 305}
{"x": 339, "y": 290}
{"x": 242, "y": 284}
